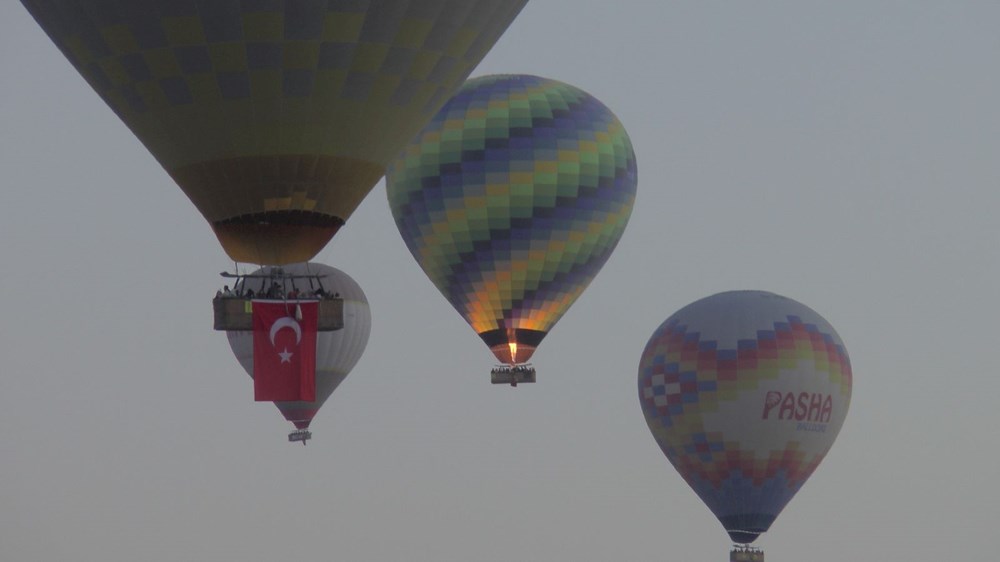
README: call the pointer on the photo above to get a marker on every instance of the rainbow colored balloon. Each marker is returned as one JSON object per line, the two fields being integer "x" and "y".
{"x": 511, "y": 200}
{"x": 745, "y": 392}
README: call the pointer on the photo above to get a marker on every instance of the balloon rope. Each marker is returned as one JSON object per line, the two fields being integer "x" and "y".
{"x": 309, "y": 272}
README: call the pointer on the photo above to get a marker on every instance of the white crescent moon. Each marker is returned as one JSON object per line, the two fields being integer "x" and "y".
{"x": 286, "y": 322}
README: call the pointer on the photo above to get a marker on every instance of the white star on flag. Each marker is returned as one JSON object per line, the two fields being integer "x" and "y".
{"x": 286, "y": 356}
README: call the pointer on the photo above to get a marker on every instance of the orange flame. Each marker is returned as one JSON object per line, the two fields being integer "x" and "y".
{"x": 513, "y": 352}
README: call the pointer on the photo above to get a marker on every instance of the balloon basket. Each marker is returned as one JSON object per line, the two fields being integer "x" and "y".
{"x": 233, "y": 310}
{"x": 302, "y": 435}
{"x": 745, "y": 553}
{"x": 512, "y": 374}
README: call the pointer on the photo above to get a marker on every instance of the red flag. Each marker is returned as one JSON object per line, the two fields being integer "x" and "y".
{"x": 284, "y": 350}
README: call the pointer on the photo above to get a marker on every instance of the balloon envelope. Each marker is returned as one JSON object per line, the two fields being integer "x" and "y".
{"x": 337, "y": 352}
{"x": 511, "y": 199}
{"x": 275, "y": 117}
{"x": 745, "y": 392}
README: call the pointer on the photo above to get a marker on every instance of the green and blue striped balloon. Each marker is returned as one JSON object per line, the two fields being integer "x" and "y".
{"x": 511, "y": 200}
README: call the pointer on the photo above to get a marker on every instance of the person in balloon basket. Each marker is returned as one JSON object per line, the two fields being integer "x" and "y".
{"x": 274, "y": 291}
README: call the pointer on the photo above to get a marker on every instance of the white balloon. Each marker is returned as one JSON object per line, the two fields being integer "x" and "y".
{"x": 337, "y": 352}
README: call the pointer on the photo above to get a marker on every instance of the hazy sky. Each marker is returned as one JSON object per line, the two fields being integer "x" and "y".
{"x": 846, "y": 155}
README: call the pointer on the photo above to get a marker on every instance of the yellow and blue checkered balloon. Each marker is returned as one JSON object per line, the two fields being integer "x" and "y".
{"x": 511, "y": 199}
{"x": 276, "y": 117}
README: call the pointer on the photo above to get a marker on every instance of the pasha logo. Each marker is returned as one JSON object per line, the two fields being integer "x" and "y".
{"x": 811, "y": 407}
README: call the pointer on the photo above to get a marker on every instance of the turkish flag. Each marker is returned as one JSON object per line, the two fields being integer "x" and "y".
{"x": 284, "y": 350}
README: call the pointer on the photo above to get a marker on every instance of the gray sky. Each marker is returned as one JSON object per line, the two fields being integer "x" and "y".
{"x": 844, "y": 155}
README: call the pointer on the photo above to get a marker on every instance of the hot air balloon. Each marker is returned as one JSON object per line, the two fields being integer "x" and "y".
{"x": 511, "y": 199}
{"x": 745, "y": 392}
{"x": 337, "y": 352}
{"x": 275, "y": 117}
